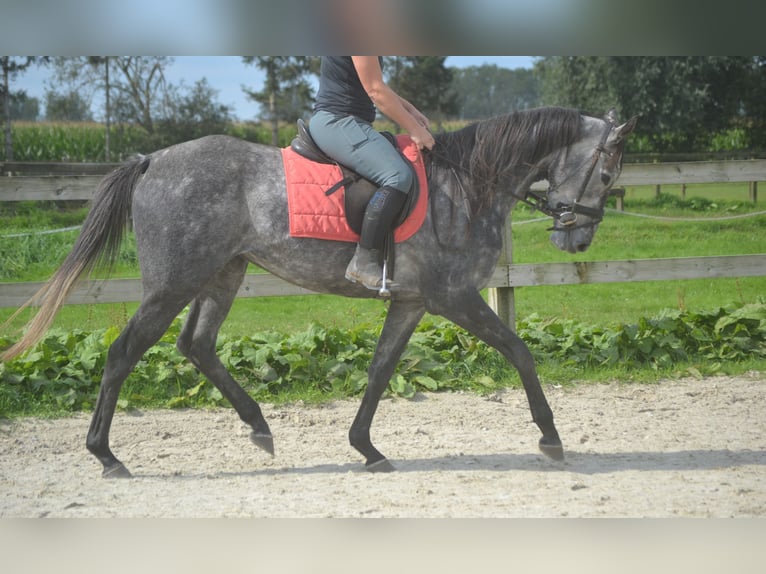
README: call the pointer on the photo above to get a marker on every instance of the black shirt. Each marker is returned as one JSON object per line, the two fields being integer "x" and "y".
{"x": 340, "y": 90}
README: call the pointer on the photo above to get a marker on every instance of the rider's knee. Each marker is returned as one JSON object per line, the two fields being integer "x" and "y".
{"x": 400, "y": 180}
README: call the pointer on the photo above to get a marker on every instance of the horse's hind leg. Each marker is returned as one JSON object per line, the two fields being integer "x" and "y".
{"x": 197, "y": 342}
{"x": 469, "y": 311}
{"x": 144, "y": 329}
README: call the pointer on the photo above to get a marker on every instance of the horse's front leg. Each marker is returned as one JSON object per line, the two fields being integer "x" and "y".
{"x": 471, "y": 312}
{"x": 400, "y": 323}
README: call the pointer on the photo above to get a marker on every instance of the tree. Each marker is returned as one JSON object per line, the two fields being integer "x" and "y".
{"x": 683, "y": 100}
{"x": 286, "y": 94}
{"x": 194, "y": 113}
{"x": 84, "y": 76}
{"x": 96, "y": 62}
{"x": 70, "y": 107}
{"x": 753, "y": 93}
{"x": 11, "y": 66}
{"x": 426, "y": 82}
{"x": 141, "y": 90}
{"x": 23, "y": 107}
{"x": 136, "y": 92}
{"x": 485, "y": 91}
{"x": 578, "y": 82}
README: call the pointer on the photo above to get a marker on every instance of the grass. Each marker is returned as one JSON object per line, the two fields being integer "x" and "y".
{"x": 729, "y": 192}
{"x": 619, "y": 237}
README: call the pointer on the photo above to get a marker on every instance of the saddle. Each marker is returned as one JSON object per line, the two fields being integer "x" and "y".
{"x": 358, "y": 191}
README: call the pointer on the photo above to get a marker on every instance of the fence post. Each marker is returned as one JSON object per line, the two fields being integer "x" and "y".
{"x": 754, "y": 191}
{"x": 619, "y": 197}
{"x": 501, "y": 298}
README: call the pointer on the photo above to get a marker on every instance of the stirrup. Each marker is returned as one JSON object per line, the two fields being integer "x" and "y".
{"x": 381, "y": 283}
{"x": 385, "y": 286}
{"x": 384, "y": 291}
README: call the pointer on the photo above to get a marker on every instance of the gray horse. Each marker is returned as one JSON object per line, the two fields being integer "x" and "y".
{"x": 205, "y": 209}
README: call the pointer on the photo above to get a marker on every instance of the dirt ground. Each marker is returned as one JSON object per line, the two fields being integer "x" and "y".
{"x": 678, "y": 448}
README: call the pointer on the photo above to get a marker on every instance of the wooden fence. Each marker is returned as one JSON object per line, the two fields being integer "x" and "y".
{"x": 78, "y": 181}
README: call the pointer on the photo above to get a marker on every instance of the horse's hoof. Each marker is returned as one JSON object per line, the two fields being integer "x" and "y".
{"x": 264, "y": 441}
{"x": 381, "y": 466}
{"x": 552, "y": 449}
{"x": 116, "y": 471}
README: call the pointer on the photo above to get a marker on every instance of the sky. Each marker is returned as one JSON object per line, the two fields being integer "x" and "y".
{"x": 227, "y": 75}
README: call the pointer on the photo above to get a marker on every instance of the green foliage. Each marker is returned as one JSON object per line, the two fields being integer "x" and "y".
{"x": 427, "y": 83}
{"x": 23, "y": 107}
{"x": 85, "y": 141}
{"x": 62, "y": 373}
{"x": 486, "y": 91}
{"x": 688, "y": 103}
{"x": 69, "y": 107}
{"x": 684, "y": 101}
{"x": 49, "y": 141}
{"x": 731, "y": 139}
{"x": 726, "y": 334}
{"x": 286, "y": 93}
{"x": 668, "y": 202}
{"x": 195, "y": 114}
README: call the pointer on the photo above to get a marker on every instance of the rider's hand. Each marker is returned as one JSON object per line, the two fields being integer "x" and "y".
{"x": 422, "y": 138}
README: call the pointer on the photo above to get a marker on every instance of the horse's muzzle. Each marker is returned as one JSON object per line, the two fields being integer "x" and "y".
{"x": 573, "y": 239}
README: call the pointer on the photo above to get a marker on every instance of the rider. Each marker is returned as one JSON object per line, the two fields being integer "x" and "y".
{"x": 350, "y": 89}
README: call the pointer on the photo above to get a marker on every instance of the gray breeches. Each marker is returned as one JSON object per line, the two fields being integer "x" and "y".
{"x": 358, "y": 146}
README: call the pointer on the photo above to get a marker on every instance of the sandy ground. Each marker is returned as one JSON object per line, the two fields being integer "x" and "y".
{"x": 678, "y": 448}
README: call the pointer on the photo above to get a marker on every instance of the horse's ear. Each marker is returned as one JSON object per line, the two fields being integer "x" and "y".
{"x": 626, "y": 128}
{"x": 611, "y": 116}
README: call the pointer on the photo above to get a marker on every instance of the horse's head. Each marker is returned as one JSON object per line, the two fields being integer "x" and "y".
{"x": 580, "y": 177}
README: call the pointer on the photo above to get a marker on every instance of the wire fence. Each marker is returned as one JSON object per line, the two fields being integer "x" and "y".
{"x": 42, "y": 232}
{"x": 513, "y": 223}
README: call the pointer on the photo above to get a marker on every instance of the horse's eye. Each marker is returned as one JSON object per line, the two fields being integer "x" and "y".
{"x": 605, "y": 178}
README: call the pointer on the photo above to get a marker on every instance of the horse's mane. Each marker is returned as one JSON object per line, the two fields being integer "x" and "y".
{"x": 488, "y": 152}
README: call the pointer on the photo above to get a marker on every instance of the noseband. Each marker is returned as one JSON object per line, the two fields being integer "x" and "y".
{"x": 563, "y": 214}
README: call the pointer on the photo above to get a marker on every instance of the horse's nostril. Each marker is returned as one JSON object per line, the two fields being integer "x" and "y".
{"x": 582, "y": 246}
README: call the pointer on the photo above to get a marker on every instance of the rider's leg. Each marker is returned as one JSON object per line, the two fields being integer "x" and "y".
{"x": 366, "y": 266}
{"x": 358, "y": 146}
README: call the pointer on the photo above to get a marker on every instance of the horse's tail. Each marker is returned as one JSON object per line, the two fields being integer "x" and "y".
{"x": 98, "y": 245}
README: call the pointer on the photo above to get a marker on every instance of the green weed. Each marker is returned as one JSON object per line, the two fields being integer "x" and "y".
{"x": 62, "y": 373}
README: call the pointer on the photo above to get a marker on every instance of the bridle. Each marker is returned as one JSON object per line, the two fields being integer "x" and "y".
{"x": 563, "y": 214}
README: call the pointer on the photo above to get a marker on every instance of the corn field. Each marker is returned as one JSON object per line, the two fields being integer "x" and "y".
{"x": 86, "y": 141}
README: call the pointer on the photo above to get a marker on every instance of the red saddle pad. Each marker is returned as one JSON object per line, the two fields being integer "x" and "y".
{"x": 316, "y": 215}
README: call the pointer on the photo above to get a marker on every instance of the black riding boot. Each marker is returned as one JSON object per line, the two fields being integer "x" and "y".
{"x": 366, "y": 266}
